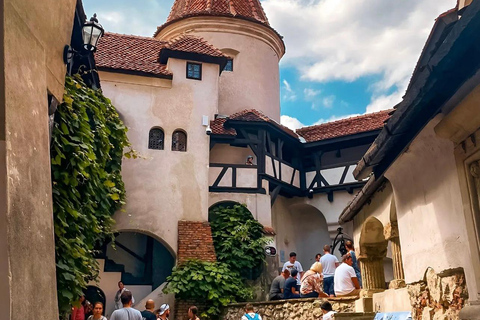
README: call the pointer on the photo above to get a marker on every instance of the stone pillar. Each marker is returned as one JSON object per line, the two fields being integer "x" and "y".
{"x": 373, "y": 276}
{"x": 373, "y": 248}
{"x": 391, "y": 234}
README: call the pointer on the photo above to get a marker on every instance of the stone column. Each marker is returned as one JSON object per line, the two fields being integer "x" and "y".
{"x": 391, "y": 234}
{"x": 373, "y": 276}
{"x": 373, "y": 248}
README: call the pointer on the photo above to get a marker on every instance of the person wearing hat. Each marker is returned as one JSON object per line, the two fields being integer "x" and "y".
{"x": 164, "y": 311}
{"x": 328, "y": 313}
{"x": 311, "y": 283}
{"x": 148, "y": 313}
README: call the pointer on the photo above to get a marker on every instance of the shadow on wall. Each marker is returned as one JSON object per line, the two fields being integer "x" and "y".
{"x": 302, "y": 229}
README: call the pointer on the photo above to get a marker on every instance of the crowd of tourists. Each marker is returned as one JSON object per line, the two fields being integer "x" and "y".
{"x": 327, "y": 277}
{"x": 123, "y": 309}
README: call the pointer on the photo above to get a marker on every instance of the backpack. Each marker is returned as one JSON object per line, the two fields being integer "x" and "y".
{"x": 255, "y": 317}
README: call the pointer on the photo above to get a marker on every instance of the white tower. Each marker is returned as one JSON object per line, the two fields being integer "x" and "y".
{"x": 241, "y": 30}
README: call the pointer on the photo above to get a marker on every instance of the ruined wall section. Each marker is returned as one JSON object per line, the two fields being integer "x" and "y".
{"x": 438, "y": 296}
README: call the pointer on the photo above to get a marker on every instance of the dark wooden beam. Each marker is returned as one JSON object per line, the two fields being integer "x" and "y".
{"x": 220, "y": 176}
{"x": 237, "y": 190}
{"x": 344, "y": 174}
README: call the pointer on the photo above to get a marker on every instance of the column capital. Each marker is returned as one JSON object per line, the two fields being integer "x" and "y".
{"x": 391, "y": 230}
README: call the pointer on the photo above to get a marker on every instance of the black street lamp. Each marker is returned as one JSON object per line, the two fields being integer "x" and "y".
{"x": 92, "y": 31}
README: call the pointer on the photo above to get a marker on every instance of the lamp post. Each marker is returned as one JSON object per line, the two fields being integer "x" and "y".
{"x": 92, "y": 31}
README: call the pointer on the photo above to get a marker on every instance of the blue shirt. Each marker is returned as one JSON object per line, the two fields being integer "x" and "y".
{"x": 289, "y": 284}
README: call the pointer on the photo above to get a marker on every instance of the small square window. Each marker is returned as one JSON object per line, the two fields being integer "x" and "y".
{"x": 194, "y": 71}
{"x": 229, "y": 65}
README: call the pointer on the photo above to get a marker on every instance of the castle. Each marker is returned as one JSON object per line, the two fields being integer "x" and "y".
{"x": 198, "y": 98}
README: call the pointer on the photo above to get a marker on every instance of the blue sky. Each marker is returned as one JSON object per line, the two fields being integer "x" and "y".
{"x": 344, "y": 58}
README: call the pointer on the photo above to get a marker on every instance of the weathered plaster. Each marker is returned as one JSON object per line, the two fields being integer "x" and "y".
{"x": 429, "y": 207}
{"x": 165, "y": 186}
{"x": 33, "y": 46}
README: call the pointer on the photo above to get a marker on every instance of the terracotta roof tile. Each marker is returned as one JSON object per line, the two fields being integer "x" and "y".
{"x": 257, "y": 116}
{"x": 141, "y": 54}
{"x": 345, "y": 127}
{"x": 218, "y": 128}
{"x": 250, "y": 9}
{"x": 194, "y": 44}
{"x": 250, "y": 115}
{"x": 130, "y": 53}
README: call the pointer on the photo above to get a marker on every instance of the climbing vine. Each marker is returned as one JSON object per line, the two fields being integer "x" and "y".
{"x": 212, "y": 284}
{"x": 238, "y": 239}
{"x": 239, "y": 247}
{"x": 87, "y": 147}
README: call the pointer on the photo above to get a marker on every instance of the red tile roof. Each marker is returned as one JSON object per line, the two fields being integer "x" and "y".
{"x": 130, "y": 53}
{"x": 345, "y": 127}
{"x": 249, "y": 9}
{"x": 218, "y": 128}
{"x": 141, "y": 54}
{"x": 250, "y": 115}
{"x": 194, "y": 44}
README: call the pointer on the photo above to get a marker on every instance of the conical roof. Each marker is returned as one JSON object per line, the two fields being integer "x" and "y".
{"x": 247, "y": 9}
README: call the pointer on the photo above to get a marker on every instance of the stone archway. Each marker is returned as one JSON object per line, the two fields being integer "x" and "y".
{"x": 373, "y": 249}
{"x": 303, "y": 229}
{"x": 94, "y": 294}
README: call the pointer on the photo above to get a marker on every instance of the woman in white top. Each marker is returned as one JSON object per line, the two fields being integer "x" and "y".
{"x": 97, "y": 312}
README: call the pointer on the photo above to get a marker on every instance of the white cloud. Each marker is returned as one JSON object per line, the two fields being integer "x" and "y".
{"x": 330, "y": 40}
{"x": 328, "y": 101}
{"x": 289, "y": 94}
{"x": 384, "y": 102}
{"x": 310, "y": 93}
{"x": 291, "y": 122}
{"x": 294, "y": 123}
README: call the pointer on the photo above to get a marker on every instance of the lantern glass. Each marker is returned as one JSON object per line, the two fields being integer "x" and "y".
{"x": 91, "y": 33}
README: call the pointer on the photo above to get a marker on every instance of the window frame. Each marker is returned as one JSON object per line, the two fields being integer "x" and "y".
{"x": 149, "y": 137}
{"x": 231, "y": 61}
{"x": 193, "y": 64}
{"x": 173, "y": 140}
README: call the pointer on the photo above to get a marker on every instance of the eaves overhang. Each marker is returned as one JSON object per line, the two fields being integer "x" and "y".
{"x": 456, "y": 60}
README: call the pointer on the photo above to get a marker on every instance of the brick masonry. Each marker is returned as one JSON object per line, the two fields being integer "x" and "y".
{"x": 195, "y": 241}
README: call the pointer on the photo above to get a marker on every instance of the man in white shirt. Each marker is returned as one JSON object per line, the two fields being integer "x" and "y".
{"x": 329, "y": 263}
{"x": 294, "y": 264}
{"x": 127, "y": 312}
{"x": 345, "y": 279}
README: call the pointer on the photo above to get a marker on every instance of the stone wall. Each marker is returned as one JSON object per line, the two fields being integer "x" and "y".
{"x": 295, "y": 309}
{"x": 438, "y": 296}
{"x": 195, "y": 241}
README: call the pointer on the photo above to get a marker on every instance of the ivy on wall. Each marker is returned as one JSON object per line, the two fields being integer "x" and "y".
{"x": 87, "y": 147}
{"x": 239, "y": 247}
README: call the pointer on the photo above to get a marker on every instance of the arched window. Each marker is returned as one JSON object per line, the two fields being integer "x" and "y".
{"x": 179, "y": 141}
{"x": 156, "y": 139}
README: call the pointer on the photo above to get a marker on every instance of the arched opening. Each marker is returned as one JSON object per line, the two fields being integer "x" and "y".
{"x": 302, "y": 229}
{"x": 94, "y": 294}
{"x": 179, "y": 140}
{"x": 137, "y": 259}
{"x": 156, "y": 139}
